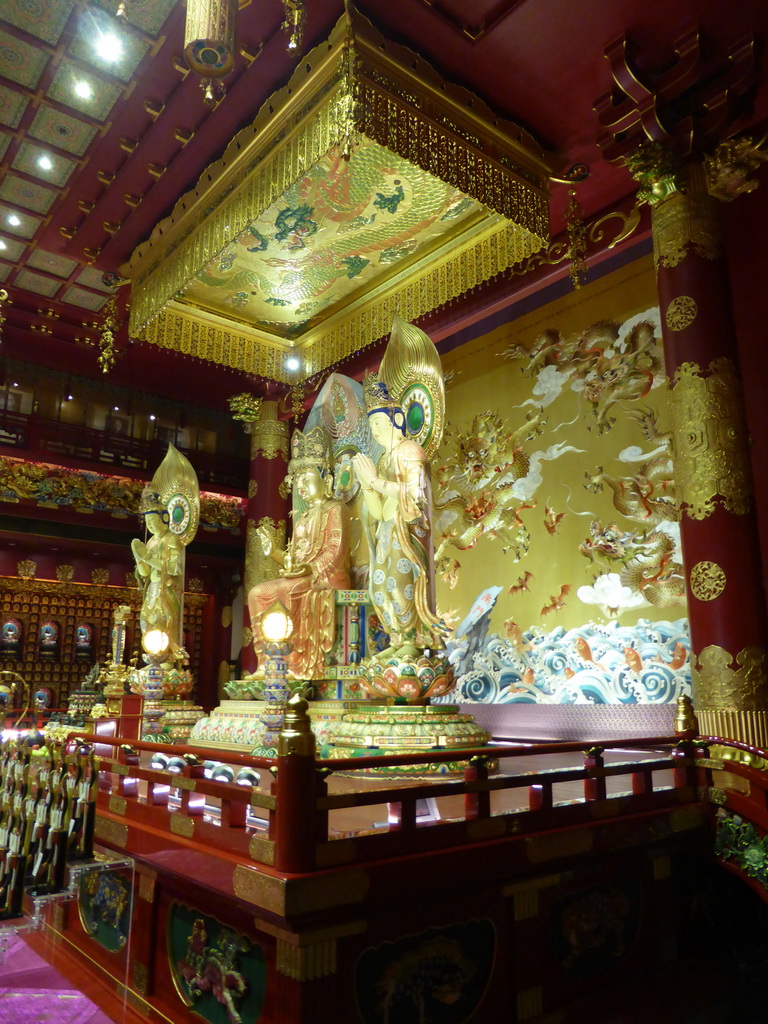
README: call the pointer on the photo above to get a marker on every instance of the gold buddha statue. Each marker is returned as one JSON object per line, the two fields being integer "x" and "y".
{"x": 314, "y": 564}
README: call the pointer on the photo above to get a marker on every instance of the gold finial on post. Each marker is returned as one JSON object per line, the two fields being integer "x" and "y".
{"x": 685, "y": 719}
{"x": 296, "y": 736}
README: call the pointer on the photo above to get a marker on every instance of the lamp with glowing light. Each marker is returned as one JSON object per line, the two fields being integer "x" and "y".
{"x": 276, "y": 628}
{"x": 155, "y": 642}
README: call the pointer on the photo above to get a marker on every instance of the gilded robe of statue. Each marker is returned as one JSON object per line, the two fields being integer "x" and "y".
{"x": 398, "y": 529}
{"x": 320, "y": 542}
{"x": 171, "y": 507}
{"x": 160, "y": 574}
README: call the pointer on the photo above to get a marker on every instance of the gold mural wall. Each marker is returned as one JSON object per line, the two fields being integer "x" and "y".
{"x": 606, "y": 461}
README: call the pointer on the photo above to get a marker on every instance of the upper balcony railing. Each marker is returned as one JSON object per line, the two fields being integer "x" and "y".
{"x": 53, "y": 438}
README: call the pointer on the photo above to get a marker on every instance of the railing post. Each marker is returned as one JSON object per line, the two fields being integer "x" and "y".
{"x": 295, "y": 791}
{"x": 128, "y": 756}
{"x": 594, "y": 788}
{"x": 477, "y": 804}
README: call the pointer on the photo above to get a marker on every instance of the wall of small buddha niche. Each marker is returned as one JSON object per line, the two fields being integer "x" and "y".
{"x": 554, "y": 485}
{"x": 53, "y": 631}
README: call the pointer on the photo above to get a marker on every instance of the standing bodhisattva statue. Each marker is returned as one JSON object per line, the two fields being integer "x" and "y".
{"x": 171, "y": 507}
{"x": 405, "y": 406}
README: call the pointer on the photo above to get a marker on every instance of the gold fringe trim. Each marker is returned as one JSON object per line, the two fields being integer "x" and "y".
{"x": 746, "y": 726}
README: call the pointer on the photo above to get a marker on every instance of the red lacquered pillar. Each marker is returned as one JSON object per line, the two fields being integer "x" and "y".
{"x": 269, "y": 463}
{"x": 713, "y": 479}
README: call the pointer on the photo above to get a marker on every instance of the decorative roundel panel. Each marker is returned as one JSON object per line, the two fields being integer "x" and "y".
{"x": 208, "y": 57}
{"x": 345, "y": 482}
{"x": 179, "y": 513}
{"x": 419, "y": 414}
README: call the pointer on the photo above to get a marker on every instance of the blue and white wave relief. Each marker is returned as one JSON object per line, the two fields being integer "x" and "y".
{"x": 647, "y": 663}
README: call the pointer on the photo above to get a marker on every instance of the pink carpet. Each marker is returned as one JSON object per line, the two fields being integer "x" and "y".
{"x": 32, "y": 991}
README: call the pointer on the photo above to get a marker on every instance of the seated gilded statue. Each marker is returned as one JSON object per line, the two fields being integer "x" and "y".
{"x": 314, "y": 564}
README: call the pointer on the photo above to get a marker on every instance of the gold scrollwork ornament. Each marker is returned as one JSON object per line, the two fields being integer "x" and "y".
{"x": 711, "y": 453}
{"x": 707, "y": 581}
{"x": 681, "y": 312}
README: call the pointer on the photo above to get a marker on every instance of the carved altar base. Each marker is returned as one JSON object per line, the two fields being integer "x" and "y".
{"x": 179, "y": 719}
{"x": 405, "y": 729}
{"x": 233, "y": 725}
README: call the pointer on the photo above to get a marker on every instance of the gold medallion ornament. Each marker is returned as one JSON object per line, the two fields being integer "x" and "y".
{"x": 26, "y": 569}
{"x": 253, "y": 488}
{"x": 711, "y": 453}
{"x": 707, "y": 581}
{"x": 684, "y": 224}
{"x": 247, "y": 638}
{"x": 681, "y": 312}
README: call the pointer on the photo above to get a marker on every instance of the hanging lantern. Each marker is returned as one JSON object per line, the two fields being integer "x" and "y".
{"x": 209, "y": 37}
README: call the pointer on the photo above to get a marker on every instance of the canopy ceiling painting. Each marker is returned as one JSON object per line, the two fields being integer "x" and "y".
{"x": 364, "y": 188}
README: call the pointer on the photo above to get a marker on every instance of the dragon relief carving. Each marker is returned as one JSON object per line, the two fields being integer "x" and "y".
{"x": 607, "y": 363}
{"x": 645, "y": 559}
{"x": 478, "y": 488}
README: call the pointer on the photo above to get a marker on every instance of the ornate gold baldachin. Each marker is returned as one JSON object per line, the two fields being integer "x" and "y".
{"x": 718, "y": 685}
{"x": 683, "y": 224}
{"x": 681, "y": 312}
{"x": 329, "y": 101}
{"x": 711, "y": 451}
{"x": 707, "y": 581}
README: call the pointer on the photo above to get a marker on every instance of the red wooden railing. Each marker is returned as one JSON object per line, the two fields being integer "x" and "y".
{"x": 296, "y": 834}
{"x": 42, "y": 437}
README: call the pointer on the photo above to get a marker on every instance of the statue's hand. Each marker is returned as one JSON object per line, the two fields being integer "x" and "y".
{"x": 300, "y": 569}
{"x": 365, "y": 471}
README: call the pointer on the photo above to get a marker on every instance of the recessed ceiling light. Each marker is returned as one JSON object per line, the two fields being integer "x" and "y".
{"x": 292, "y": 363}
{"x": 109, "y": 47}
{"x": 68, "y": 398}
{"x": 2, "y": 244}
{"x": 15, "y": 384}
{"x": 83, "y": 89}
{"x": 45, "y": 162}
{"x": 152, "y": 416}
{"x": 117, "y": 408}
{"x": 13, "y": 220}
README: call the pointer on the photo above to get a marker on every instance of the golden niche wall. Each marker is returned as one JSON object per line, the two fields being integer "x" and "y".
{"x": 52, "y": 633}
